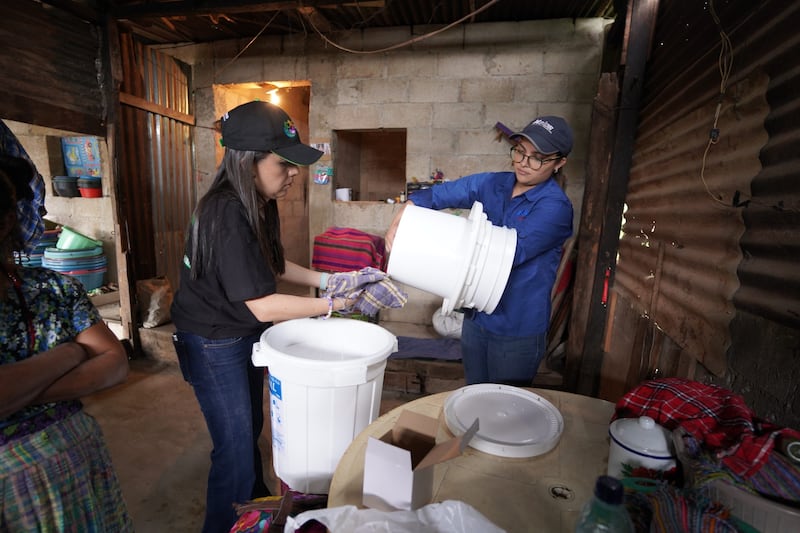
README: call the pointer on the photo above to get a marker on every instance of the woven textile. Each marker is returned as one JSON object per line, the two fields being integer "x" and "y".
{"x": 345, "y": 249}
{"x": 61, "y": 479}
{"x": 668, "y": 509}
{"x": 348, "y": 284}
{"x": 716, "y": 417}
{"x": 382, "y": 294}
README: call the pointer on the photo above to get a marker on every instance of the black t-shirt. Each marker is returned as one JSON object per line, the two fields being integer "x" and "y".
{"x": 212, "y": 305}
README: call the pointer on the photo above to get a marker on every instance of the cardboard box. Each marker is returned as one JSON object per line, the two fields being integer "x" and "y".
{"x": 398, "y": 467}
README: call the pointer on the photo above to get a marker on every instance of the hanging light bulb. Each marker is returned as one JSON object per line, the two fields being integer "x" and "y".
{"x": 274, "y": 98}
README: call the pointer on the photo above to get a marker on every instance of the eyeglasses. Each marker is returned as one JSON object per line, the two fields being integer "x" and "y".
{"x": 519, "y": 156}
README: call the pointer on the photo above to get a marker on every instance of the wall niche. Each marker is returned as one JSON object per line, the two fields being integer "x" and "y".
{"x": 371, "y": 162}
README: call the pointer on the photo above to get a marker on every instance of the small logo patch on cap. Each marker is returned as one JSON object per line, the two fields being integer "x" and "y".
{"x": 289, "y": 129}
{"x": 544, "y": 124}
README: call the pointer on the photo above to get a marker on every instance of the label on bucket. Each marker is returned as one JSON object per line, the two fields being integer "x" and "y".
{"x": 276, "y": 413}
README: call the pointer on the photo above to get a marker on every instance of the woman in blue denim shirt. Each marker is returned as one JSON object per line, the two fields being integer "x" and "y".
{"x": 508, "y": 345}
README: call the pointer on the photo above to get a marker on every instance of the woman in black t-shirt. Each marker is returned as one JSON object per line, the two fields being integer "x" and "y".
{"x": 227, "y": 295}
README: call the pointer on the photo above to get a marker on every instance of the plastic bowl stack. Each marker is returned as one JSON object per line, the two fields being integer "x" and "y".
{"x": 78, "y": 256}
{"x": 66, "y": 186}
{"x": 90, "y": 186}
{"x": 48, "y": 239}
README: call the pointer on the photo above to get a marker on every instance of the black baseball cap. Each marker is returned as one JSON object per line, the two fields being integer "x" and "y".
{"x": 548, "y": 134}
{"x": 264, "y": 127}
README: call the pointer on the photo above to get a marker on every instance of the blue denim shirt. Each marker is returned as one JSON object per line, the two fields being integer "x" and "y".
{"x": 542, "y": 218}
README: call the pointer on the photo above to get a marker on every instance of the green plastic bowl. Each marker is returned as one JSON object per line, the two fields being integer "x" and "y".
{"x": 72, "y": 240}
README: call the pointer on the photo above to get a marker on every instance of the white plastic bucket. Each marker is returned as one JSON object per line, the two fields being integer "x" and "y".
{"x": 325, "y": 385}
{"x": 466, "y": 261}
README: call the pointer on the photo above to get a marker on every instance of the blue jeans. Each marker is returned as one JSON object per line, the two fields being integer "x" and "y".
{"x": 230, "y": 391}
{"x": 490, "y": 358}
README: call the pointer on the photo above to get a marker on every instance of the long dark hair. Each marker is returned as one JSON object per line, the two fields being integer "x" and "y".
{"x": 235, "y": 179}
{"x": 15, "y": 175}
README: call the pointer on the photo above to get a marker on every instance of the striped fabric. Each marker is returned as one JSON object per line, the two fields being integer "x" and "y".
{"x": 675, "y": 510}
{"x": 345, "y": 249}
{"x": 779, "y": 478}
{"x": 60, "y": 479}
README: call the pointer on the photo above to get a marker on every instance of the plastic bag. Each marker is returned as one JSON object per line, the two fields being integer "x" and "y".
{"x": 449, "y": 516}
{"x": 154, "y": 298}
{"x": 449, "y": 325}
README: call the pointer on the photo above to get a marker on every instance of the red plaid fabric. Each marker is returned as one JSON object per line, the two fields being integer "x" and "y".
{"x": 716, "y": 417}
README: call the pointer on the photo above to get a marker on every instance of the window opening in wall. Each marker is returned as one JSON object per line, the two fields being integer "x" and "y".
{"x": 371, "y": 162}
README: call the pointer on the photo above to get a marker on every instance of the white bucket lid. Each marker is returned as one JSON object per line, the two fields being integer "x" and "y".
{"x": 513, "y": 422}
{"x": 337, "y": 351}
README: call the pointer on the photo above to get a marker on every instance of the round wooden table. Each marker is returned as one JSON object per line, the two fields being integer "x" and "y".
{"x": 543, "y": 493}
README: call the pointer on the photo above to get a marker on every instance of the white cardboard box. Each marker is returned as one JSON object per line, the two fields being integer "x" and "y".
{"x": 398, "y": 467}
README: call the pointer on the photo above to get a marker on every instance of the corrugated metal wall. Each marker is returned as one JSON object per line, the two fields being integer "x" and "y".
{"x": 709, "y": 236}
{"x": 156, "y": 160}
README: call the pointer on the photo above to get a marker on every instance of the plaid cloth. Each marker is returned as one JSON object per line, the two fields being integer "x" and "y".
{"x": 29, "y": 213}
{"x": 716, "y": 417}
{"x": 349, "y": 283}
{"x": 382, "y": 294}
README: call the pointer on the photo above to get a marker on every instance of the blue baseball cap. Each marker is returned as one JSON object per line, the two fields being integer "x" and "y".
{"x": 549, "y": 134}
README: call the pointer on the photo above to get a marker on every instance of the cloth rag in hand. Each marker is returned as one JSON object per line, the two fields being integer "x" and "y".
{"x": 382, "y": 294}
{"x": 346, "y": 284}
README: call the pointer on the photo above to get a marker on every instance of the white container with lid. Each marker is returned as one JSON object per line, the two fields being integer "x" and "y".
{"x": 639, "y": 443}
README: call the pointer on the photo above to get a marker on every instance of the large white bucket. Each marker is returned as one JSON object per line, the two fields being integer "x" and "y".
{"x": 325, "y": 385}
{"x": 466, "y": 261}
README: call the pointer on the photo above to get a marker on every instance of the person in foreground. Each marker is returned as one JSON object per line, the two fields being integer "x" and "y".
{"x": 55, "y": 469}
{"x": 508, "y": 345}
{"x": 227, "y": 295}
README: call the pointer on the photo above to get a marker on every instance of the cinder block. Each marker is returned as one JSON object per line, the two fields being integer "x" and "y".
{"x": 405, "y": 115}
{"x": 384, "y": 91}
{"x": 433, "y": 90}
{"x": 411, "y": 65}
{"x": 461, "y": 115}
{"x": 487, "y": 90}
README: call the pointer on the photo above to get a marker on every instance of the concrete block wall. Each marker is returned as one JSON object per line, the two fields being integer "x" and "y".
{"x": 448, "y": 91}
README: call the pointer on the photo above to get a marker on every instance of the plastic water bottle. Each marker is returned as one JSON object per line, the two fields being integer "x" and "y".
{"x": 605, "y": 512}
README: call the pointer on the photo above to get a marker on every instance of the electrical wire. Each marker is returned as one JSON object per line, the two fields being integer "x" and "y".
{"x": 725, "y": 65}
{"x": 404, "y": 43}
{"x": 248, "y": 45}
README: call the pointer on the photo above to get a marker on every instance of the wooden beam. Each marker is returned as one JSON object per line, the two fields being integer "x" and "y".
{"x": 21, "y": 108}
{"x": 141, "y": 103}
{"x": 639, "y": 38}
{"x": 315, "y": 18}
{"x": 209, "y": 7}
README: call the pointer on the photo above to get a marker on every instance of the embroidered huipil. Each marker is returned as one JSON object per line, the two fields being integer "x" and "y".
{"x": 60, "y": 309}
